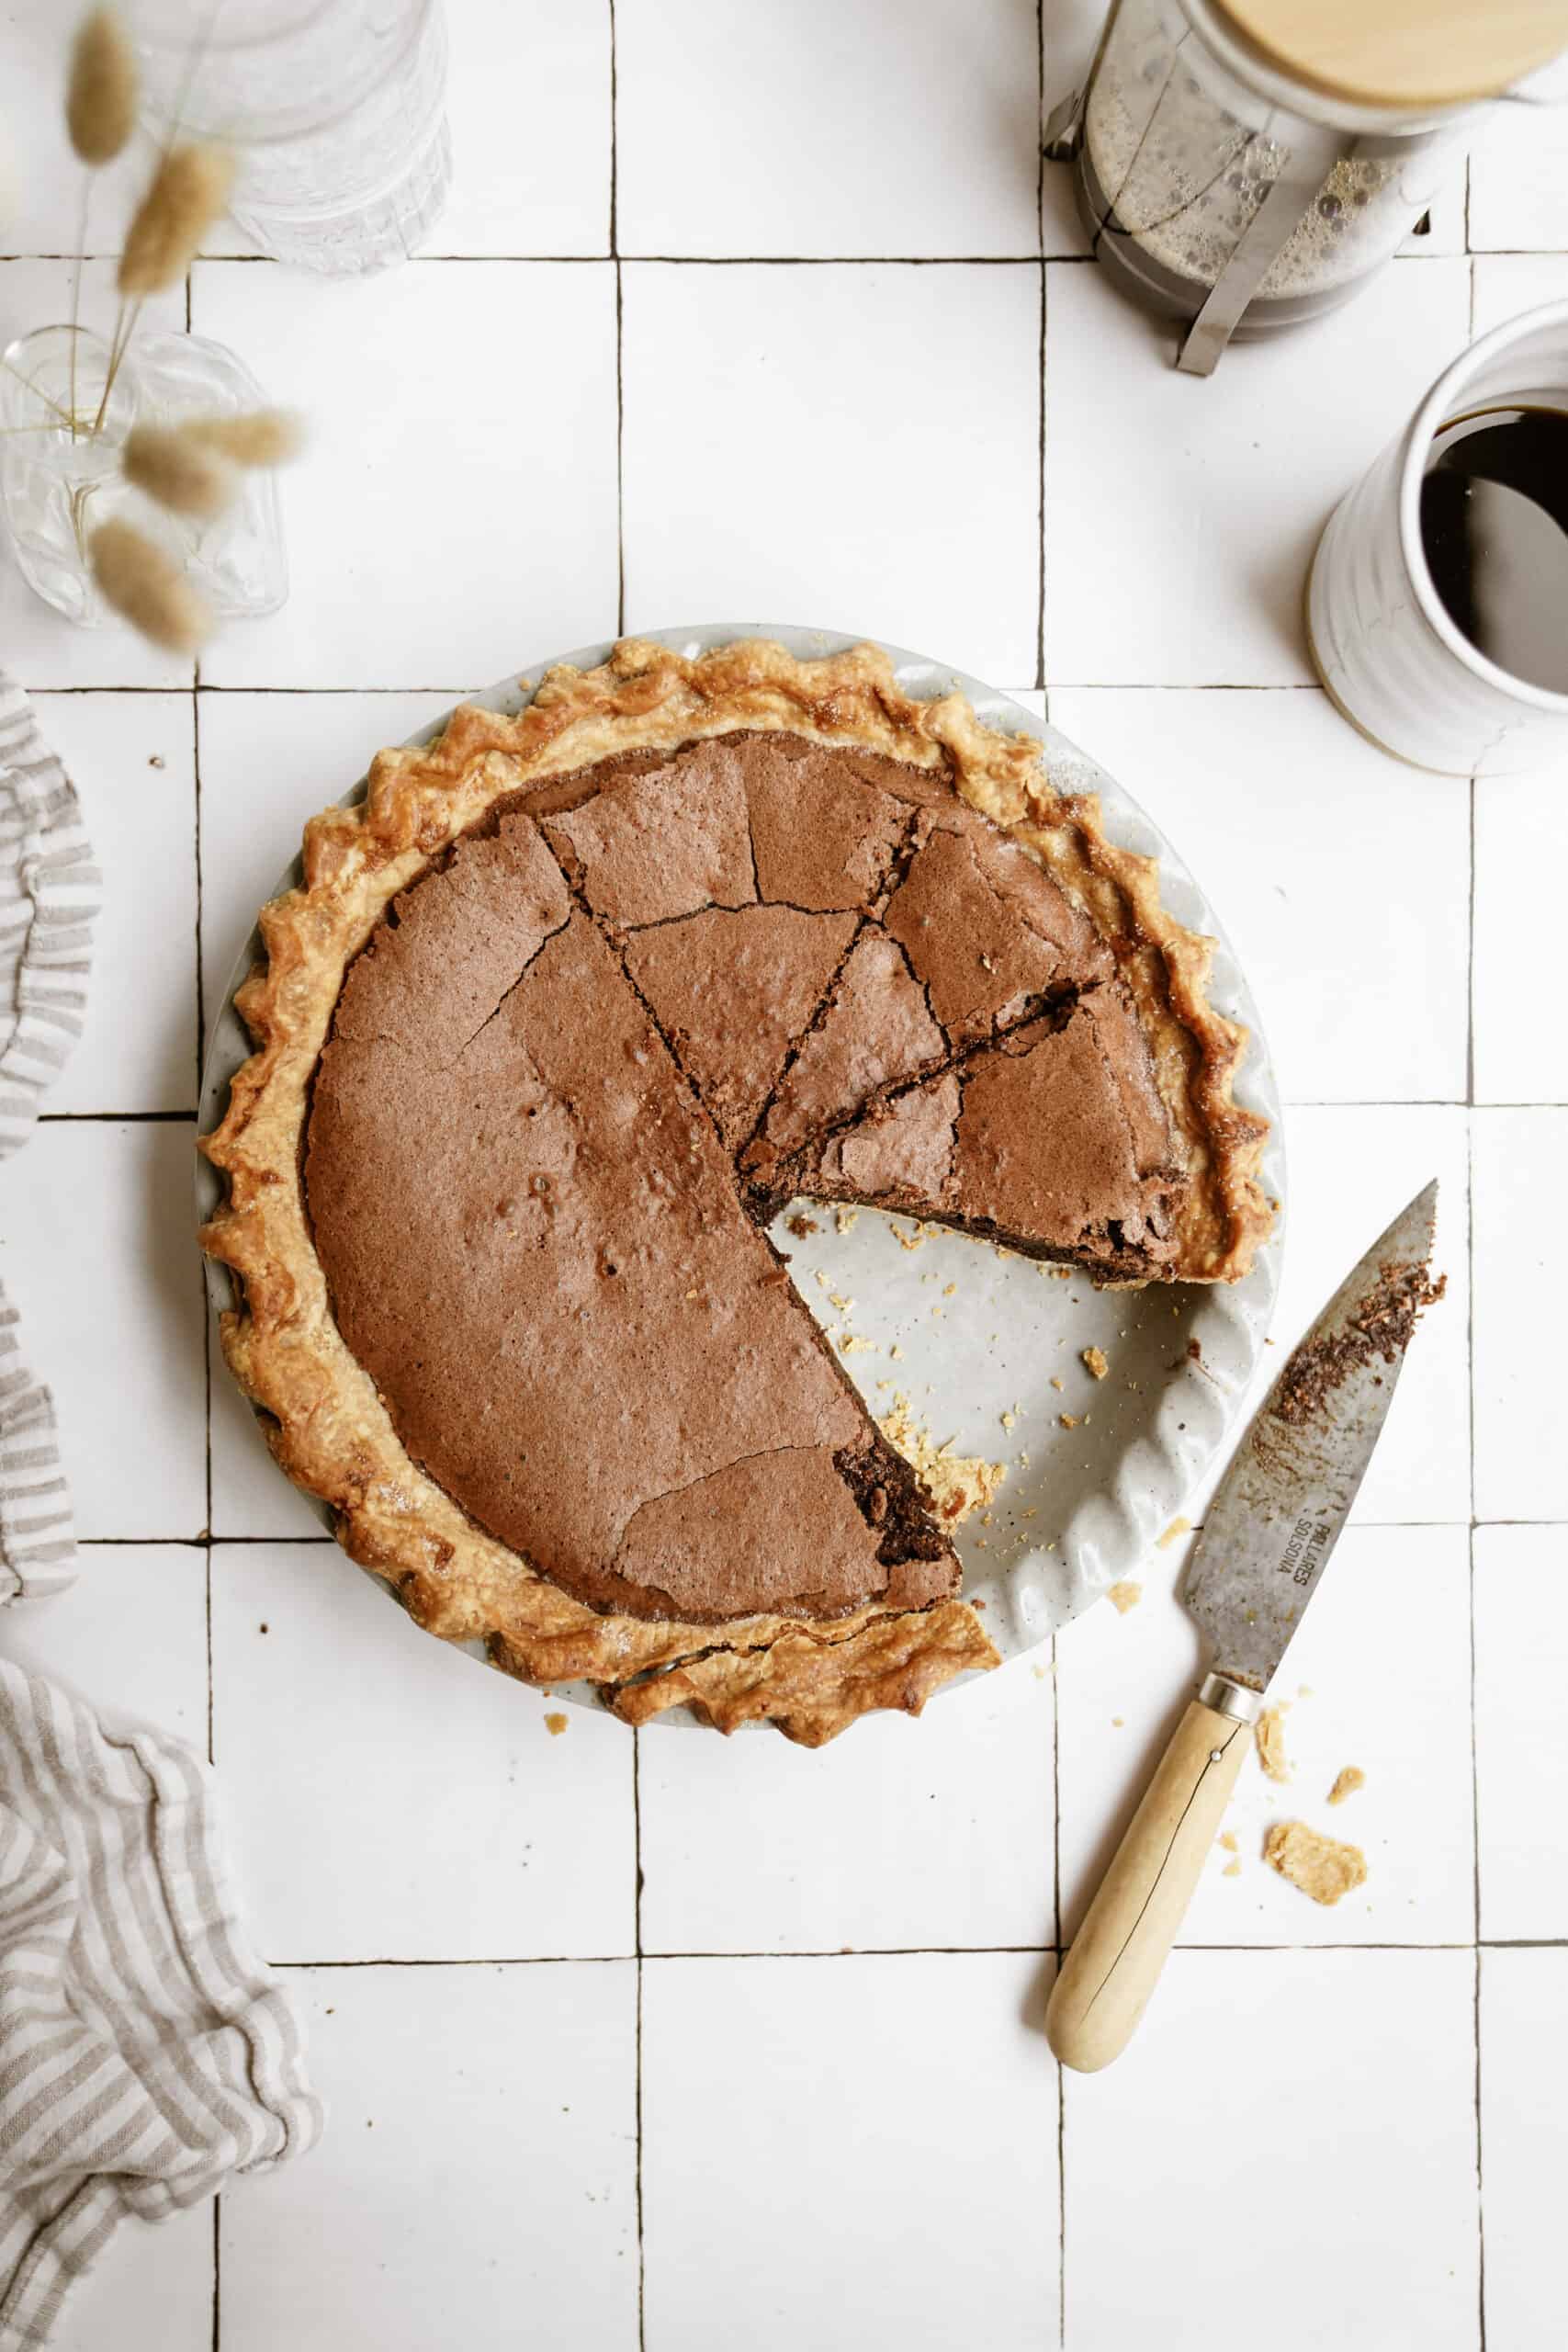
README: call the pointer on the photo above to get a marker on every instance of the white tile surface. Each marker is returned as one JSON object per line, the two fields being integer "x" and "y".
{"x": 1353, "y": 1012}
{"x": 1518, "y": 176}
{"x": 1392, "y": 1609}
{"x": 512, "y": 1842}
{"x": 822, "y": 130}
{"x": 139, "y": 1049}
{"x": 476, "y": 2185}
{"x": 821, "y": 397}
{"x": 824, "y": 2189}
{"x": 129, "y": 1635}
{"x": 454, "y": 514}
{"x": 1519, "y": 820}
{"x": 1524, "y": 2144}
{"x": 901, "y": 1833}
{"x": 1298, "y": 2144}
{"x": 1521, "y": 1296}
{"x": 1506, "y": 284}
{"x": 1181, "y": 513}
{"x": 530, "y": 144}
{"x": 154, "y": 2291}
{"x": 37, "y": 645}
{"x": 98, "y": 1254}
{"x": 1521, "y": 1732}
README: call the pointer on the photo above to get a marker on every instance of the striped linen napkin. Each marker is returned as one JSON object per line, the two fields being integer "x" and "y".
{"x": 49, "y": 892}
{"x": 145, "y": 2056}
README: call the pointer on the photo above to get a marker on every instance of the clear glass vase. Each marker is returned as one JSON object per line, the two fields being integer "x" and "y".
{"x": 59, "y": 467}
{"x": 337, "y": 110}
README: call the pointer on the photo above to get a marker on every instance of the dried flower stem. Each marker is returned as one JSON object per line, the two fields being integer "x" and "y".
{"x": 263, "y": 437}
{"x": 100, "y": 115}
{"x": 101, "y": 96}
{"x": 178, "y": 469}
{"x": 147, "y": 588}
{"x": 189, "y": 189}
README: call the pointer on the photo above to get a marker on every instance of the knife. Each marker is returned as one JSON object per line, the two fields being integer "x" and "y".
{"x": 1267, "y": 1536}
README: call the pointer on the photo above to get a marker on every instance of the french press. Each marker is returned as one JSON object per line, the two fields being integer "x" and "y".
{"x": 1241, "y": 165}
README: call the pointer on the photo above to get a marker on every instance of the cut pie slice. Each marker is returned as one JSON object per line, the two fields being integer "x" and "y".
{"x": 561, "y": 1012}
{"x": 1052, "y": 1140}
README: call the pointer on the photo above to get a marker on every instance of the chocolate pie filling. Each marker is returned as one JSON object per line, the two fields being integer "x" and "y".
{"x": 585, "y": 1053}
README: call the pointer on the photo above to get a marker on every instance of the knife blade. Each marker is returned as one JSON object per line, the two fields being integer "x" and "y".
{"x": 1279, "y": 1510}
{"x": 1275, "y": 1519}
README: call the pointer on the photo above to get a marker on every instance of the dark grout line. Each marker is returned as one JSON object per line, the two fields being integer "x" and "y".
{"x": 491, "y": 1960}
{"x": 1040, "y": 232}
{"x": 901, "y": 1951}
{"x": 834, "y": 261}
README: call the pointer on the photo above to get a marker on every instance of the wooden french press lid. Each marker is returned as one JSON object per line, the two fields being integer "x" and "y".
{"x": 1403, "y": 53}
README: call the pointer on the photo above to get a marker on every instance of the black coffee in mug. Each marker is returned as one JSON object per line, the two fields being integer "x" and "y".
{"x": 1495, "y": 531}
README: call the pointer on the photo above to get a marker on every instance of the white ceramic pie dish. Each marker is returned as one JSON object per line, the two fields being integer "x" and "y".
{"x": 989, "y": 1345}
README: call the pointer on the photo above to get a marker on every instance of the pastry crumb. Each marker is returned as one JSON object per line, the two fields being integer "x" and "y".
{"x": 1096, "y": 1360}
{"x": 1319, "y": 1866}
{"x": 1346, "y": 1784}
{"x": 851, "y": 1344}
{"x": 846, "y": 1220}
{"x": 802, "y": 1226}
{"x": 1123, "y": 1595}
{"x": 1232, "y": 1870}
{"x": 555, "y": 1725}
{"x": 913, "y": 1240}
{"x": 1057, "y": 1382}
{"x": 896, "y": 1353}
{"x": 951, "y": 1291}
{"x": 1268, "y": 1739}
{"x": 1178, "y": 1527}
{"x": 1227, "y": 1840}
{"x": 1117, "y": 1722}
{"x": 1008, "y": 1419}
{"x": 957, "y": 1484}
{"x": 1068, "y": 1420}
{"x": 841, "y": 1304}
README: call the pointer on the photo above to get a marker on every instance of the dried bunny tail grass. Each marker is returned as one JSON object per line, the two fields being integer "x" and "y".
{"x": 148, "y": 589}
{"x": 173, "y": 464}
{"x": 189, "y": 190}
{"x": 266, "y": 436}
{"x": 102, "y": 93}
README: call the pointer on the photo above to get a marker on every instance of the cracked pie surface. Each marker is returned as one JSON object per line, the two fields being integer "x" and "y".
{"x": 565, "y": 1008}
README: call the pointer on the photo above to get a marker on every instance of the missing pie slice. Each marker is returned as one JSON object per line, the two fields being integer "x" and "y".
{"x": 565, "y": 1008}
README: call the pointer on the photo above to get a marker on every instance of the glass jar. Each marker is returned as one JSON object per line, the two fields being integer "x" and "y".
{"x": 1225, "y": 194}
{"x": 338, "y": 110}
{"x": 61, "y": 442}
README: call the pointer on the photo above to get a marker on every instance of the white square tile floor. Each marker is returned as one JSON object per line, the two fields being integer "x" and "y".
{"x": 648, "y": 2041}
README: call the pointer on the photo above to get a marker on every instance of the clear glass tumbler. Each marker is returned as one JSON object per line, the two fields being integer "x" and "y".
{"x": 337, "y": 110}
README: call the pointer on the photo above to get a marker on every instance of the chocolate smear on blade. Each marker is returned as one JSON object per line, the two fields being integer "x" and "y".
{"x": 1381, "y": 1327}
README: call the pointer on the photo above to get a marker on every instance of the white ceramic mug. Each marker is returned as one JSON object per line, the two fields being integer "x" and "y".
{"x": 1381, "y": 641}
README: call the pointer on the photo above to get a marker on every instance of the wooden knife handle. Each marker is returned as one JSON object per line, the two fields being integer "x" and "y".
{"x": 1116, "y": 1959}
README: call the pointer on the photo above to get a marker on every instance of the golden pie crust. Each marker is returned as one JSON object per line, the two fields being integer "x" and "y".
{"x": 326, "y": 1423}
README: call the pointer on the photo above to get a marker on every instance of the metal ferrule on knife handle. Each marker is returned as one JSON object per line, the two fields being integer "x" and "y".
{"x": 1228, "y": 1697}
